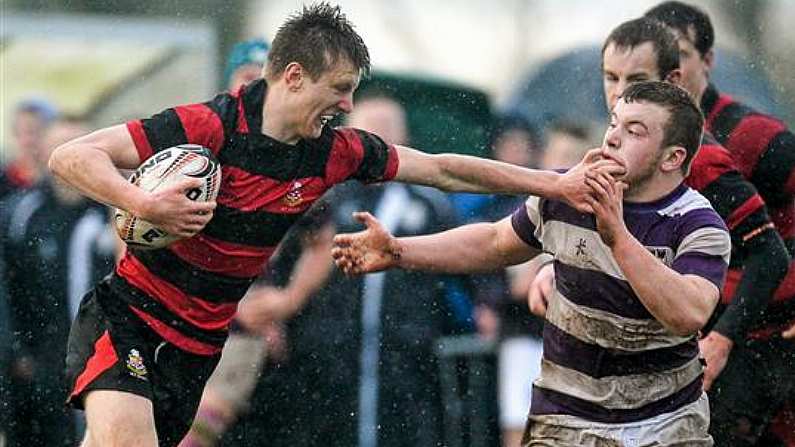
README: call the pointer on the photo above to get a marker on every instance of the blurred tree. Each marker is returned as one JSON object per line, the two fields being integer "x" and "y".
{"x": 228, "y": 16}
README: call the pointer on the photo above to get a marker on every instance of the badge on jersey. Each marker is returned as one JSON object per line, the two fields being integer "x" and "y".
{"x": 294, "y": 197}
{"x": 135, "y": 364}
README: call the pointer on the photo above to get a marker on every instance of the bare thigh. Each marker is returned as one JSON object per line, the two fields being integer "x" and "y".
{"x": 118, "y": 418}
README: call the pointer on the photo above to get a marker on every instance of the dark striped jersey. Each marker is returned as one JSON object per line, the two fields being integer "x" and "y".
{"x": 763, "y": 149}
{"x": 188, "y": 292}
{"x": 714, "y": 175}
{"x": 606, "y": 358}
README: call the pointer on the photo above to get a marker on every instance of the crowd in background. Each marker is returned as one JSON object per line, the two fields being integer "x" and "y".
{"x": 352, "y": 362}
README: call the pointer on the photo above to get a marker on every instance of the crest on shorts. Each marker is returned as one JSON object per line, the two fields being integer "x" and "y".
{"x": 135, "y": 364}
{"x": 294, "y": 196}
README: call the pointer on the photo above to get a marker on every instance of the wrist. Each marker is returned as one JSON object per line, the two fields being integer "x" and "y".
{"x": 140, "y": 203}
{"x": 395, "y": 251}
{"x": 621, "y": 241}
{"x": 552, "y": 188}
{"x": 725, "y": 342}
{"x": 293, "y": 297}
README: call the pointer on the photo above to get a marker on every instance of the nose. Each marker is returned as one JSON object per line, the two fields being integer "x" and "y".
{"x": 346, "y": 103}
{"x": 615, "y": 92}
{"x": 612, "y": 139}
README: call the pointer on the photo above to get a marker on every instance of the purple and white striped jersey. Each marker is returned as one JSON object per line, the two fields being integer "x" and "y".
{"x": 606, "y": 358}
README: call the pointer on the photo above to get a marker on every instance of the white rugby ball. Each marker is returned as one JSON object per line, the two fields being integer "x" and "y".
{"x": 157, "y": 172}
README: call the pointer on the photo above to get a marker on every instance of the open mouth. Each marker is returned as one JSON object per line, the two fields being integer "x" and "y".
{"x": 325, "y": 119}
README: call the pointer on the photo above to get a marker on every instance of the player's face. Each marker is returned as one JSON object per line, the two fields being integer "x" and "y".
{"x": 327, "y": 96}
{"x": 622, "y": 66}
{"x": 694, "y": 67}
{"x": 635, "y": 134}
{"x": 28, "y": 130}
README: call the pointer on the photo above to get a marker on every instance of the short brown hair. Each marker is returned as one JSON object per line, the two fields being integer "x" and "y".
{"x": 634, "y": 33}
{"x": 681, "y": 17}
{"x": 685, "y": 121}
{"x": 317, "y": 38}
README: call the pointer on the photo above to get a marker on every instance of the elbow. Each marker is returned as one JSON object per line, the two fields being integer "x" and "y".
{"x": 56, "y": 163}
{"x": 769, "y": 257}
{"x": 441, "y": 176}
{"x": 687, "y": 326}
{"x": 695, "y": 317}
{"x": 778, "y": 261}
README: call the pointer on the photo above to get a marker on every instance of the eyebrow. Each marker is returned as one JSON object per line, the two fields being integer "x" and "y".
{"x": 639, "y": 75}
{"x": 613, "y": 116}
{"x": 640, "y": 123}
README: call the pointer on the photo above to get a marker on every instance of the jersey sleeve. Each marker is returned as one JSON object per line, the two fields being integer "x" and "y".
{"x": 527, "y": 223}
{"x": 762, "y": 145}
{"x": 734, "y": 199}
{"x": 362, "y": 156}
{"x": 201, "y": 123}
{"x": 705, "y": 249}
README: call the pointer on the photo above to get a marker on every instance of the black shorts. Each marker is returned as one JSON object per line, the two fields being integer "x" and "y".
{"x": 111, "y": 348}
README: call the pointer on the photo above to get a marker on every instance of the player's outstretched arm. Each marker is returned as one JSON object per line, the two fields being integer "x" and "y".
{"x": 452, "y": 172}
{"x": 91, "y": 163}
{"x": 468, "y": 249}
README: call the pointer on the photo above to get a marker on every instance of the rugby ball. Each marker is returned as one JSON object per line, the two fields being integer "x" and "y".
{"x": 157, "y": 172}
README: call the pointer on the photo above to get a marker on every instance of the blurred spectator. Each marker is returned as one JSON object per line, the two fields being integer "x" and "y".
{"x": 245, "y": 63}
{"x": 29, "y": 123}
{"x": 360, "y": 366}
{"x": 513, "y": 141}
{"x": 5, "y": 363}
{"x": 55, "y": 244}
{"x": 501, "y": 313}
{"x": 521, "y": 346}
{"x": 566, "y": 144}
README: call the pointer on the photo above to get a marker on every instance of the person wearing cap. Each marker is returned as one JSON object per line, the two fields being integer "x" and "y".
{"x": 245, "y": 63}
{"x": 30, "y": 121}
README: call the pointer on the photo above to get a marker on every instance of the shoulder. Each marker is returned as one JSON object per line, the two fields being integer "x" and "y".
{"x": 691, "y": 212}
{"x": 691, "y": 200}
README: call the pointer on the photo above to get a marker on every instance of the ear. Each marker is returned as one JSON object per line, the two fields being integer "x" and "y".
{"x": 673, "y": 158}
{"x": 293, "y": 76}
{"x": 709, "y": 59}
{"x": 674, "y": 77}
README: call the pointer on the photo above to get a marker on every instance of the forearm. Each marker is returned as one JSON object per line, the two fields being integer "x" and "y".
{"x": 91, "y": 171}
{"x": 674, "y": 300}
{"x": 313, "y": 267}
{"x": 764, "y": 269}
{"x": 468, "y": 249}
{"x": 463, "y": 173}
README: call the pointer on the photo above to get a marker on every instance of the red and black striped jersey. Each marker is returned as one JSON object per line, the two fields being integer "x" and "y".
{"x": 763, "y": 149}
{"x": 188, "y": 292}
{"x": 737, "y": 201}
{"x": 714, "y": 175}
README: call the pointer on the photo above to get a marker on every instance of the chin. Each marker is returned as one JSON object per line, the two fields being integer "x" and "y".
{"x": 313, "y": 133}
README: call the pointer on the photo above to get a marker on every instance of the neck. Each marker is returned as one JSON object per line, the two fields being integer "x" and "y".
{"x": 653, "y": 189}
{"x": 277, "y": 116}
{"x": 698, "y": 95}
